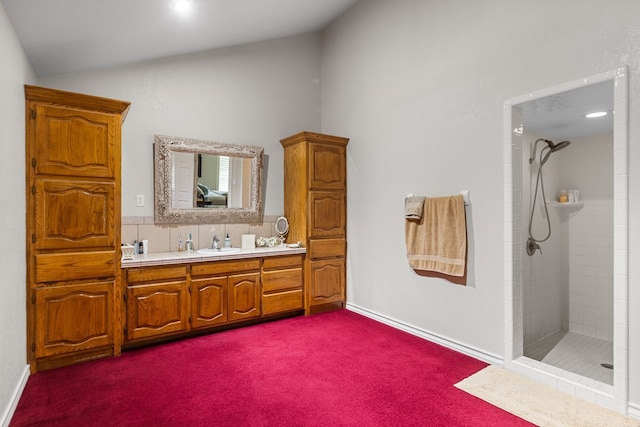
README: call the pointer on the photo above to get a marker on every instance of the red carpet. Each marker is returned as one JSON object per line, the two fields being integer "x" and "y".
{"x": 331, "y": 369}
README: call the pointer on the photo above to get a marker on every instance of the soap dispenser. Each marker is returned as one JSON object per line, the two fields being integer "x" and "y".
{"x": 227, "y": 241}
{"x": 188, "y": 246}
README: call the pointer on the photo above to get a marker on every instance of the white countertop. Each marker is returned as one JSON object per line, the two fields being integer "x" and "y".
{"x": 165, "y": 258}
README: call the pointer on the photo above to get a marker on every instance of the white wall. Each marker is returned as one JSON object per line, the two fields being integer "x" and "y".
{"x": 419, "y": 88}
{"x": 14, "y": 73}
{"x": 253, "y": 94}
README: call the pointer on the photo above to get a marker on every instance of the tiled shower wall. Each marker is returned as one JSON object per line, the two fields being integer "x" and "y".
{"x": 590, "y": 168}
{"x": 570, "y": 286}
{"x": 591, "y": 273}
{"x": 165, "y": 238}
{"x": 545, "y": 281}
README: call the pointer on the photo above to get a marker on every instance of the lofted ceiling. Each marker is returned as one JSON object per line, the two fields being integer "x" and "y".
{"x": 61, "y": 36}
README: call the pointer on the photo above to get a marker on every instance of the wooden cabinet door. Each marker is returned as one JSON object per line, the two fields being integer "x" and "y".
{"x": 244, "y": 296}
{"x": 156, "y": 309}
{"x": 74, "y": 142}
{"x": 208, "y": 301}
{"x": 327, "y": 167}
{"x": 327, "y": 280}
{"x": 71, "y": 214}
{"x": 327, "y": 214}
{"x": 73, "y": 317}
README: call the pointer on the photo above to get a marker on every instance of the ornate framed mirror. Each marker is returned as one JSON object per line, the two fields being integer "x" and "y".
{"x": 200, "y": 182}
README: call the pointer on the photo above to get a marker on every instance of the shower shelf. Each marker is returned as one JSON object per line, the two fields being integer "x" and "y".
{"x": 576, "y": 205}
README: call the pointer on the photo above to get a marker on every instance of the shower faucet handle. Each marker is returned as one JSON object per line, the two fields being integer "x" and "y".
{"x": 532, "y": 247}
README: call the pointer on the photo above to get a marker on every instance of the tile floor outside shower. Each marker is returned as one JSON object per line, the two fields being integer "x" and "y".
{"x": 580, "y": 354}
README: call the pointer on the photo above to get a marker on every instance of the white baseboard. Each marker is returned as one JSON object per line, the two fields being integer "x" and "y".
{"x": 429, "y": 336}
{"x": 5, "y": 419}
{"x": 634, "y": 410}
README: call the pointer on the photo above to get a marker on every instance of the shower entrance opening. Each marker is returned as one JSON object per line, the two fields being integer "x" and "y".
{"x": 565, "y": 184}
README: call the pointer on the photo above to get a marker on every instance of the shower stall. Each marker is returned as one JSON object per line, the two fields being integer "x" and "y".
{"x": 566, "y": 198}
{"x": 568, "y": 275}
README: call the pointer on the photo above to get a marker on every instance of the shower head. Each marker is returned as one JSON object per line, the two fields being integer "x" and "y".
{"x": 551, "y": 148}
{"x": 558, "y": 146}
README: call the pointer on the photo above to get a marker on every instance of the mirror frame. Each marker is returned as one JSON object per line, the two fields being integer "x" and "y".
{"x": 165, "y": 146}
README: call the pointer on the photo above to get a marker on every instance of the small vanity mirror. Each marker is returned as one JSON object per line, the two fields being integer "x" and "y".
{"x": 200, "y": 182}
{"x": 282, "y": 228}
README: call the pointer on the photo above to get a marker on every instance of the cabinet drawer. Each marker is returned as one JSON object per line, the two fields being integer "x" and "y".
{"x": 282, "y": 262}
{"x": 75, "y": 266}
{"x": 224, "y": 267}
{"x": 281, "y": 302}
{"x": 149, "y": 274}
{"x": 327, "y": 248}
{"x": 281, "y": 279}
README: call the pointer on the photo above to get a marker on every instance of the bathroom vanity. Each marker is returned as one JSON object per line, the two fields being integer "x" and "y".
{"x": 85, "y": 302}
{"x": 174, "y": 294}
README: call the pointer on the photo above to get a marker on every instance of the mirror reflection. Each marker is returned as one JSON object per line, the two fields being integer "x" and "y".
{"x": 210, "y": 181}
{"x": 199, "y": 181}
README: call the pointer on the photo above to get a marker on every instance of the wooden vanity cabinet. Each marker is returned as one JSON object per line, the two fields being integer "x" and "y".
{"x": 282, "y": 284}
{"x": 238, "y": 280}
{"x": 172, "y": 300}
{"x": 224, "y": 291}
{"x": 73, "y": 145}
{"x": 315, "y": 203}
{"x": 157, "y": 302}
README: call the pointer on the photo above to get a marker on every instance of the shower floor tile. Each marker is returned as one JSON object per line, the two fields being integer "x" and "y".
{"x": 539, "y": 349}
{"x": 580, "y": 354}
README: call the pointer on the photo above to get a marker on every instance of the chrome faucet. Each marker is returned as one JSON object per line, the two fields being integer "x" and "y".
{"x": 214, "y": 244}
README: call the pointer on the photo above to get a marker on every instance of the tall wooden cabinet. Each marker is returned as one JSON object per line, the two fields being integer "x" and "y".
{"x": 315, "y": 203}
{"x": 73, "y": 225}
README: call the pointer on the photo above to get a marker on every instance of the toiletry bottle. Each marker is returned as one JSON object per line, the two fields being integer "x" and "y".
{"x": 189, "y": 244}
{"x": 141, "y": 250}
{"x": 136, "y": 248}
{"x": 564, "y": 196}
{"x": 227, "y": 241}
{"x": 180, "y": 244}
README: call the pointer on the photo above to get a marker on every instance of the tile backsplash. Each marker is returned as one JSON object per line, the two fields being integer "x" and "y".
{"x": 166, "y": 237}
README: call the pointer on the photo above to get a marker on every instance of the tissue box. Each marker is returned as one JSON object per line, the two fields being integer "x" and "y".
{"x": 127, "y": 251}
{"x": 248, "y": 241}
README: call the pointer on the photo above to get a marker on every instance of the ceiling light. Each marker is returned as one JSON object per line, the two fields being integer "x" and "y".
{"x": 596, "y": 114}
{"x": 181, "y": 6}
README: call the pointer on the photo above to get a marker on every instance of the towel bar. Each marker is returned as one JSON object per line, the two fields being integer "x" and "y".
{"x": 465, "y": 196}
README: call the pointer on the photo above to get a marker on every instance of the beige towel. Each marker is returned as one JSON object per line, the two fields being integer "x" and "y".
{"x": 413, "y": 207}
{"x": 438, "y": 242}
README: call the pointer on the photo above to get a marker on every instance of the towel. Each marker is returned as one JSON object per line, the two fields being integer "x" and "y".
{"x": 413, "y": 207}
{"x": 438, "y": 242}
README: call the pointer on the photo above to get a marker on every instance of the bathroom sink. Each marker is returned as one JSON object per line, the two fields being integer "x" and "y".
{"x": 209, "y": 251}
